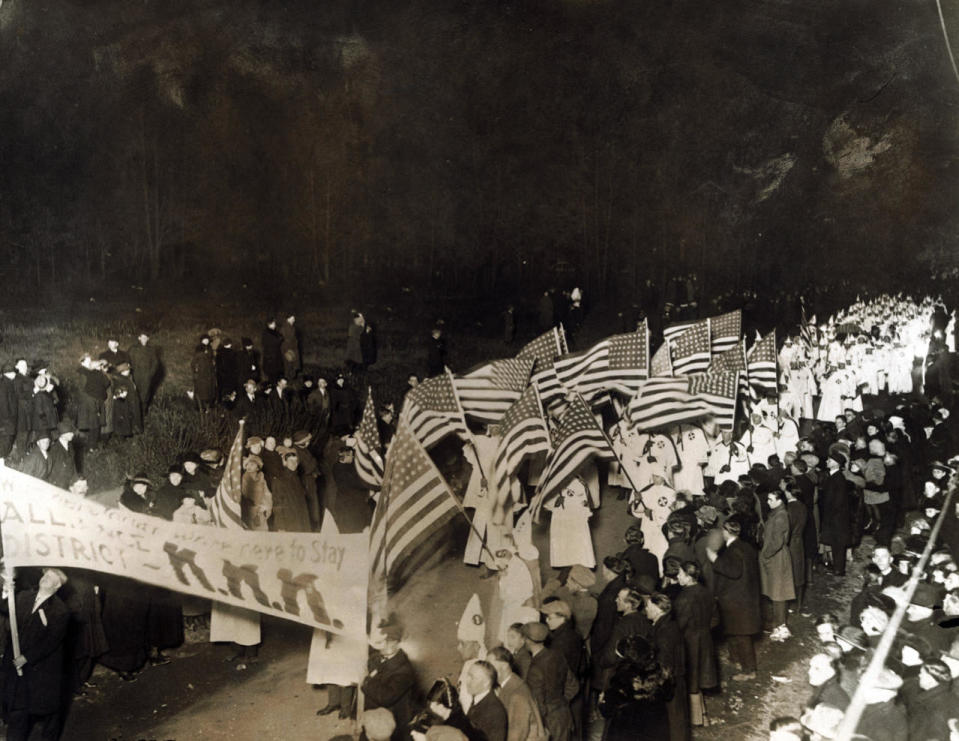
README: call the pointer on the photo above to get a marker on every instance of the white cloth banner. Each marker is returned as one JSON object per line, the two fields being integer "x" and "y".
{"x": 319, "y": 579}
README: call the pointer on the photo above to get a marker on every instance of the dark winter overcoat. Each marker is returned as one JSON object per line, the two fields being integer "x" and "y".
{"x": 737, "y": 588}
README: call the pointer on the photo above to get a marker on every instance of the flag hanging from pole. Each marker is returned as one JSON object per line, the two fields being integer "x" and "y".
{"x": 432, "y": 412}
{"x": 761, "y": 361}
{"x": 662, "y": 402}
{"x": 487, "y": 392}
{"x": 545, "y": 348}
{"x": 690, "y": 352}
{"x": 718, "y": 393}
{"x": 228, "y": 511}
{"x": 618, "y": 363}
{"x": 368, "y": 456}
{"x": 415, "y": 502}
{"x": 674, "y": 330}
{"x": 576, "y": 439}
{"x": 725, "y": 330}
{"x": 524, "y": 433}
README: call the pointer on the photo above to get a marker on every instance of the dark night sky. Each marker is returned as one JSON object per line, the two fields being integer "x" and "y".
{"x": 478, "y": 144}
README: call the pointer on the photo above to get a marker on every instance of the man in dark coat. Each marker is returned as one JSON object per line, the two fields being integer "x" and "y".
{"x": 34, "y": 698}
{"x": 248, "y": 362}
{"x": 547, "y": 679}
{"x": 204, "y": 375}
{"x": 291, "y": 348}
{"x": 145, "y": 361}
{"x": 37, "y": 462}
{"x": 63, "y": 462}
{"x": 170, "y": 495}
{"x": 436, "y": 352}
{"x": 643, "y": 561}
{"x": 8, "y": 409}
{"x": 227, "y": 369}
{"x": 113, "y": 354}
{"x": 318, "y": 406}
{"x": 249, "y": 404}
{"x": 835, "y": 516}
{"x": 737, "y": 591}
{"x": 486, "y": 713}
{"x": 23, "y": 384}
{"x": 272, "y": 342}
{"x": 667, "y": 642}
{"x": 631, "y": 622}
{"x": 391, "y": 681}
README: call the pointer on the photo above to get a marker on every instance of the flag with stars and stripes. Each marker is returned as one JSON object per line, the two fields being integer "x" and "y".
{"x": 487, "y": 392}
{"x": 675, "y": 329}
{"x": 368, "y": 455}
{"x": 551, "y": 389}
{"x": 734, "y": 359}
{"x": 618, "y": 363}
{"x": 664, "y": 401}
{"x": 725, "y": 331}
{"x": 227, "y": 506}
{"x": 761, "y": 363}
{"x": 545, "y": 348}
{"x": 523, "y": 433}
{"x": 415, "y": 502}
{"x": 660, "y": 365}
{"x": 718, "y": 392}
{"x": 432, "y": 411}
{"x": 576, "y": 439}
{"x": 690, "y": 352}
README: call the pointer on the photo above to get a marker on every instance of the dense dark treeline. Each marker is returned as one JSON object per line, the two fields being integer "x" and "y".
{"x": 469, "y": 147}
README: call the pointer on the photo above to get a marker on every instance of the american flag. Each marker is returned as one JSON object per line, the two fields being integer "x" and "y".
{"x": 576, "y": 439}
{"x": 551, "y": 390}
{"x": 524, "y": 433}
{"x": 675, "y": 329}
{"x": 661, "y": 365}
{"x": 432, "y": 411}
{"x": 808, "y": 332}
{"x": 617, "y": 363}
{"x": 734, "y": 359}
{"x": 545, "y": 348}
{"x": 761, "y": 363}
{"x": 227, "y": 509}
{"x": 415, "y": 502}
{"x": 690, "y": 351}
{"x": 487, "y": 392}
{"x": 718, "y": 392}
{"x": 662, "y": 402}
{"x": 724, "y": 331}
{"x": 368, "y": 456}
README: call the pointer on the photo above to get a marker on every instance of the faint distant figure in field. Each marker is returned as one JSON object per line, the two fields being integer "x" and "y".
{"x": 292, "y": 362}
{"x": 228, "y": 370}
{"x": 8, "y": 409}
{"x": 509, "y": 325}
{"x": 145, "y": 361}
{"x": 248, "y": 362}
{"x": 574, "y": 316}
{"x": 342, "y": 405}
{"x": 23, "y": 384}
{"x": 436, "y": 350}
{"x": 90, "y": 401}
{"x": 113, "y": 354}
{"x": 354, "y": 346}
{"x": 545, "y": 313}
{"x": 204, "y": 375}
{"x": 44, "y": 417}
{"x": 272, "y": 352}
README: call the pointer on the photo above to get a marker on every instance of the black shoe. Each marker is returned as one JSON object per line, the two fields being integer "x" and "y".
{"x": 328, "y": 709}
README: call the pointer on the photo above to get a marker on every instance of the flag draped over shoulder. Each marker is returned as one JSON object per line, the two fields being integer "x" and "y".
{"x": 432, "y": 411}
{"x": 227, "y": 506}
{"x": 662, "y": 402}
{"x": 718, "y": 393}
{"x": 545, "y": 348}
{"x": 690, "y": 351}
{"x": 618, "y": 363}
{"x": 725, "y": 330}
{"x": 576, "y": 439}
{"x": 415, "y": 502}
{"x": 368, "y": 456}
{"x": 524, "y": 433}
{"x": 487, "y": 392}
{"x": 761, "y": 361}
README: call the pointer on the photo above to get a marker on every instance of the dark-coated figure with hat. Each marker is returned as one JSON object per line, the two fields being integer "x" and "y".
{"x": 632, "y": 621}
{"x": 37, "y": 461}
{"x": 204, "y": 375}
{"x": 8, "y": 408}
{"x": 391, "y": 679}
{"x": 145, "y": 361}
{"x": 272, "y": 344}
{"x": 546, "y": 679}
{"x": 63, "y": 466}
{"x": 228, "y": 380}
